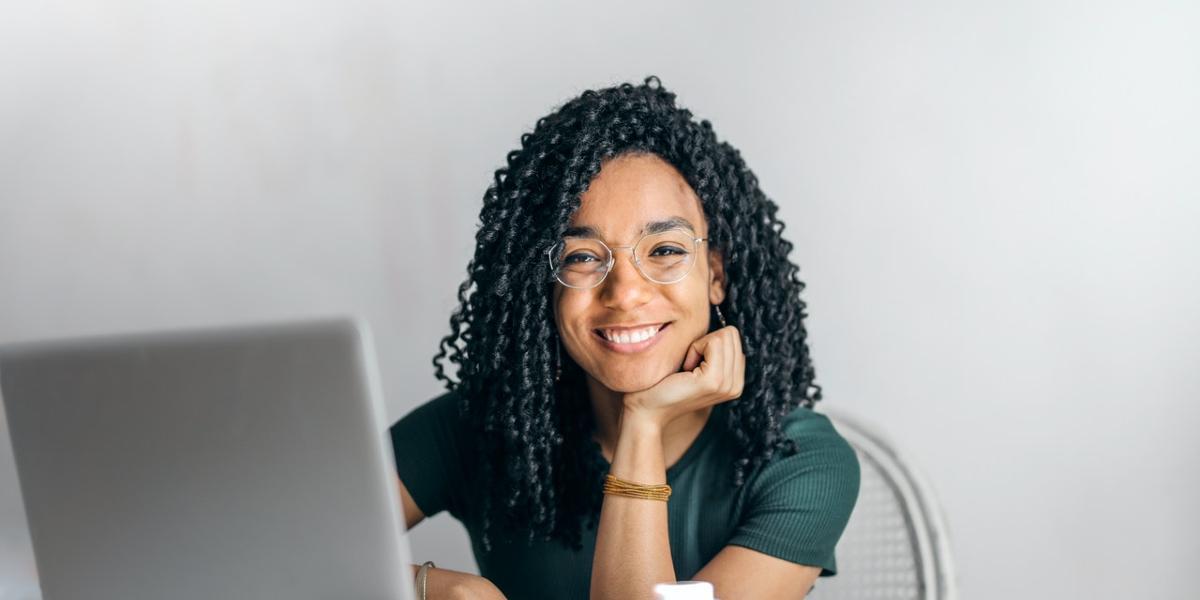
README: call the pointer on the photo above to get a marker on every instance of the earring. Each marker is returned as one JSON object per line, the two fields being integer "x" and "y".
{"x": 720, "y": 317}
{"x": 558, "y": 359}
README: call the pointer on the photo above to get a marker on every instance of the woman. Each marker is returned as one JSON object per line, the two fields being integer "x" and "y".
{"x": 633, "y": 391}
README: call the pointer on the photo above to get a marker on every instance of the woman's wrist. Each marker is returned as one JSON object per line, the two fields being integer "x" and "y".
{"x": 639, "y": 455}
{"x": 641, "y": 422}
{"x": 446, "y": 584}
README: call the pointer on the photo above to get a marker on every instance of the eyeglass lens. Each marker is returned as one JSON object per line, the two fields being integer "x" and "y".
{"x": 662, "y": 257}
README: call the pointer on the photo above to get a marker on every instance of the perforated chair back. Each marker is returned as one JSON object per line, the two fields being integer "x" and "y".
{"x": 895, "y": 546}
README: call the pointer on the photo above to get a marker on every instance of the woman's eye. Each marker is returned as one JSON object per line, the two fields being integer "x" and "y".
{"x": 668, "y": 251}
{"x": 578, "y": 258}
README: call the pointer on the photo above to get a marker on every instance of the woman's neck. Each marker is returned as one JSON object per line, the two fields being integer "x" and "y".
{"x": 607, "y": 408}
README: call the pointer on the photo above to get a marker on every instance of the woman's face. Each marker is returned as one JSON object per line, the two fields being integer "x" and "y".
{"x": 628, "y": 194}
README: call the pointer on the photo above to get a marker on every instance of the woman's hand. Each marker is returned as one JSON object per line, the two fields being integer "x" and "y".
{"x": 445, "y": 584}
{"x": 473, "y": 587}
{"x": 714, "y": 371}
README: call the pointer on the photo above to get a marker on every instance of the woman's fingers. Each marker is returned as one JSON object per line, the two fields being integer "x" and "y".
{"x": 733, "y": 352}
{"x": 713, "y": 372}
{"x": 739, "y": 369}
{"x": 711, "y": 366}
{"x": 732, "y": 362}
{"x": 695, "y": 354}
{"x": 720, "y": 361}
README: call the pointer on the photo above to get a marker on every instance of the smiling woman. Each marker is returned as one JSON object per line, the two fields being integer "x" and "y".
{"x": 633, "y": 397}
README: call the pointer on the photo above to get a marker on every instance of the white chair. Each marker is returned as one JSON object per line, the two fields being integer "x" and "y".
{"x": 895, "y": 546}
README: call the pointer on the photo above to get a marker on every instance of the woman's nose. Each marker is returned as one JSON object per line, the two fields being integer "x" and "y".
{"x": 624, "y": 287}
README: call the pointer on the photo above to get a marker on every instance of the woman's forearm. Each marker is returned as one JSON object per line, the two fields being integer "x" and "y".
{"x": 444, "y": 584}
{"x": 633, "y": 551}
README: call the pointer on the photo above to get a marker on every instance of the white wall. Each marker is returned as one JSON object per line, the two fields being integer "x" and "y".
{"x": 996, "y": 207}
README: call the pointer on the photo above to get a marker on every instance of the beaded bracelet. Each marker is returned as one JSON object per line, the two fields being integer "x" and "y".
{"x": 629, "y": 489}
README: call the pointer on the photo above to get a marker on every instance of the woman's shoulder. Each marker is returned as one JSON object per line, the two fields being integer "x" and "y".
{"x": 441, "y": 414}
{"x": 446, "y": 405}
{"x": 819, "y": 447}
{"x": 799, "y": 503}
{"x": 804, "y": 424}
{"x": 432, "y": 454}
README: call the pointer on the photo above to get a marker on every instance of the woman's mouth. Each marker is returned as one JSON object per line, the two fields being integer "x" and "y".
{"x": 628, "y": 340}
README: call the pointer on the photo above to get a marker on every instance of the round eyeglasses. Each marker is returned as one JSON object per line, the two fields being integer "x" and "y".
{"x": 662, "y": 257}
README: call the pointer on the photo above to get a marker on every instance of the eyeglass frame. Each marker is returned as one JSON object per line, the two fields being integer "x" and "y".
{"x": 612, "y": 259}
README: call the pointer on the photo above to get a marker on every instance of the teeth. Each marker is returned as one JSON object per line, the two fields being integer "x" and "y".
{"x": 630, "y": 337}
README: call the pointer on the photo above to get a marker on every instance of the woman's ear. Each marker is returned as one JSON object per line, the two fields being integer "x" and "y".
{"x": 716, "y": 277}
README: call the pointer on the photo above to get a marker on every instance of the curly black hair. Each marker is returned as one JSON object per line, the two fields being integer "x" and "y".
{"x": 537, "y": 461}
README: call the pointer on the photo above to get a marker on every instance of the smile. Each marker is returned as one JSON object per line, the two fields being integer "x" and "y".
{"x": 627, "y": 340}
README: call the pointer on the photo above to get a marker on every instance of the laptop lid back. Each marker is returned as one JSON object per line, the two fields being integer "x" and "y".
{"x": 245, "y": 462}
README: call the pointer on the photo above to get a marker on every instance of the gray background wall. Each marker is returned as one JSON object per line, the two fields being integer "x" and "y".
{"x": 995, "y": 207}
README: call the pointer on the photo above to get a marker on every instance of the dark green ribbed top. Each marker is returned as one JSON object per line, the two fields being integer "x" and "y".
{"x": 794, "y": 507}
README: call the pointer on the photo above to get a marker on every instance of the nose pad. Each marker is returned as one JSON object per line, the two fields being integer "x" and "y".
{"x": 632, "y": 261}
{"x": 624, "y": 281}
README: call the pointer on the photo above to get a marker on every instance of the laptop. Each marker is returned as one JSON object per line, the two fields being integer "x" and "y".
{"x": 246, "y": 462}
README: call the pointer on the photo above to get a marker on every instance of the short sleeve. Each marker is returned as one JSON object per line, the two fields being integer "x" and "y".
{"x": 797, "y": 506}
{"x": 429, "y": 459}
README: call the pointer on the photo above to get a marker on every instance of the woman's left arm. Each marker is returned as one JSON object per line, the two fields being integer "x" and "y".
{"x": 632, "y": 549}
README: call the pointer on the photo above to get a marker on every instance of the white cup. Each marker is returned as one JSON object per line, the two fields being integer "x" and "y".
{"x": 684, "y": 590}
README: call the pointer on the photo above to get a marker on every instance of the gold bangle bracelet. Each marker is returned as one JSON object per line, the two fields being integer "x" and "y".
{"x": 423, "y": 578}
{"x": 629, "y": 489}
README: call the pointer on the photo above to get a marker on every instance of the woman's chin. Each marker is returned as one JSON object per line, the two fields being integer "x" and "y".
{"x": 633, "y": 383}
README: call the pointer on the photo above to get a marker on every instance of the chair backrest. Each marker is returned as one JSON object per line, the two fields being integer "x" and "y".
{"x": 896, "y": 544}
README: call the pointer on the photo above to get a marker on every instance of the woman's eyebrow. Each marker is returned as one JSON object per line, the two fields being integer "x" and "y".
{"x": 671, "y": 223}
{"x": 587, "y": 231}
